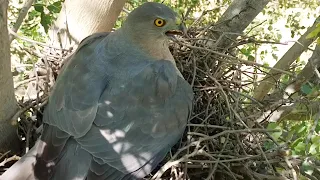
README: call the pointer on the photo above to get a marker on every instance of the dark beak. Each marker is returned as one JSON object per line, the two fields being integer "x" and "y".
{"x": 183, "y": 28}
{"x": 180, "y": 30}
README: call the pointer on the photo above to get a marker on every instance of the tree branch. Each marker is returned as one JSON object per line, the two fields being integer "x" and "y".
{"x": 235, "y": 20}
{"x": 284, "y": 63}
{"x": 22, "y": 15}
{"x": 305, "y": 75}
{"x": 307, "y": 72}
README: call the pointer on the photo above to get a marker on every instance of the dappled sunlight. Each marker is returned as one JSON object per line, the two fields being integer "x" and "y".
{"x": 112, "y": 137}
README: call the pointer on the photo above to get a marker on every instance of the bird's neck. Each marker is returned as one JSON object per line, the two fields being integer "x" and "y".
{"x": 158, "y": 50}
{"x": 153, "y": 47}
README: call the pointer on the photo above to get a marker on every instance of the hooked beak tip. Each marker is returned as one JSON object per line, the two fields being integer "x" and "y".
{"x": 183, "y": 28}
{"x": 180, "y": 30}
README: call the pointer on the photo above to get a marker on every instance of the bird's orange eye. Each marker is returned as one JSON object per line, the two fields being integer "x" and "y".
{"x": 159, "y": 22}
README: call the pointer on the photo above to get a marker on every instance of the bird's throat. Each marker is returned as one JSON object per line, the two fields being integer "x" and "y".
{"x": 151, "y": 45}
{"x": 158, "y": 50}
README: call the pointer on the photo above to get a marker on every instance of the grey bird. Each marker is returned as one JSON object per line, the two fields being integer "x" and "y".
{"x": 117, "y": 107}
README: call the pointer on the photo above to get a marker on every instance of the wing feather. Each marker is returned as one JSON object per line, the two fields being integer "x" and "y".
{"x": 74, "y": 100}
{"x": 135, "y": 127}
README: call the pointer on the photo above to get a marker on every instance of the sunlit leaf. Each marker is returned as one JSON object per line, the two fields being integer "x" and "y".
{"x": 301, "y": 128}
{"x": 300, "y": 147}
{"x": 313, "y": 149}
{"x": 315, "y": 139}
{"x": 275, "y": 126}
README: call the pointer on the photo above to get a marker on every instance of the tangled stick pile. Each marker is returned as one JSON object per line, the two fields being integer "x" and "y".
{"x": 223, "y": 139}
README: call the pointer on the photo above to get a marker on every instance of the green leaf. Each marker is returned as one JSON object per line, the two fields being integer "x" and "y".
{"x": 307, "y": 167}
{"x": 315, "y": 139}
{"x": 250, "y": 58}
{"x": 275, "y": 56}
{"x": 274, "y": 126}
{"x": 245, "y": 52}
{"x": 290, "y": 135}
{"x": 39, "y": 7}
{"x": 301, "y": 129}
{"x": 313, "y": 149}
{"x": 45, "y": 22}
{"x": 296, "y": 141}
{"x": 306, "y": 89}
{"x": 279, "y": 36}
{"x": 55, "y": 7}
{"x": 269, "y": 145}
{"x": 300, "y": 147}
{"x": 317, "y": 130}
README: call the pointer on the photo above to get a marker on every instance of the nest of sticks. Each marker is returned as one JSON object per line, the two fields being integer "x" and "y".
{"x": 223, "y": 139}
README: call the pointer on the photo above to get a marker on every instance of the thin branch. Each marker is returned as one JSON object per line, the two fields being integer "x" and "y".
{"x": 35, "y": 42}
{"x": 238, "y": 59}
{"x": 23, "y": 13}
{"x": 288, "y": 58}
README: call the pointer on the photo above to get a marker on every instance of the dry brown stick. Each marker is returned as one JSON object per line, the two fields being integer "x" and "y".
{"x": 237, "y": 116}
{"x": 218, "y": 160}
{"x": 4, "y": 154}
{"x": 208, "y": 125}
{"x": 43, "y": 101}
{"x": 269, "y": 177}
{"x": 12, "y": 158}
{"x": 36, "y": 42}
{"x": 220, "y": 87}
{"x": 240, "y": 93}
{"x": 197, "y": 143}
{"x": 238, "y": 59}
{"x": 16, "y": 85}
{"x": 293, "y": 172}
{"x": 185, "y": 158}
{"x": 229, "y": 107}
{"x": 169, "y": 164}
{"x": 28, "y": 136}
{"x": 194, "y": 71}
{"x": 264, "y": 155}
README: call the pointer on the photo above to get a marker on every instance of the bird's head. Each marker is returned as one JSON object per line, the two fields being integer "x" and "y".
{"x": 153, "y": 21}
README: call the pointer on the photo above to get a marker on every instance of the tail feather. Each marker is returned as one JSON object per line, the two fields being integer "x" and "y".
{"x": 23, "y": 169}
{"x": 73, "y": 164}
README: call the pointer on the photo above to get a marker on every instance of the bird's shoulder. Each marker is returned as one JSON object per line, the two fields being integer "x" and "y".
{"x": 92, "y": 38}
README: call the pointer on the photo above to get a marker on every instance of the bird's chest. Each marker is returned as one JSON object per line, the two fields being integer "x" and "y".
{"x": 148, "y": 82}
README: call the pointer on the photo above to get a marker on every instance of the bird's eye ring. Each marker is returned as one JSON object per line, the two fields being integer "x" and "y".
{"x": 159, "y": 22}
